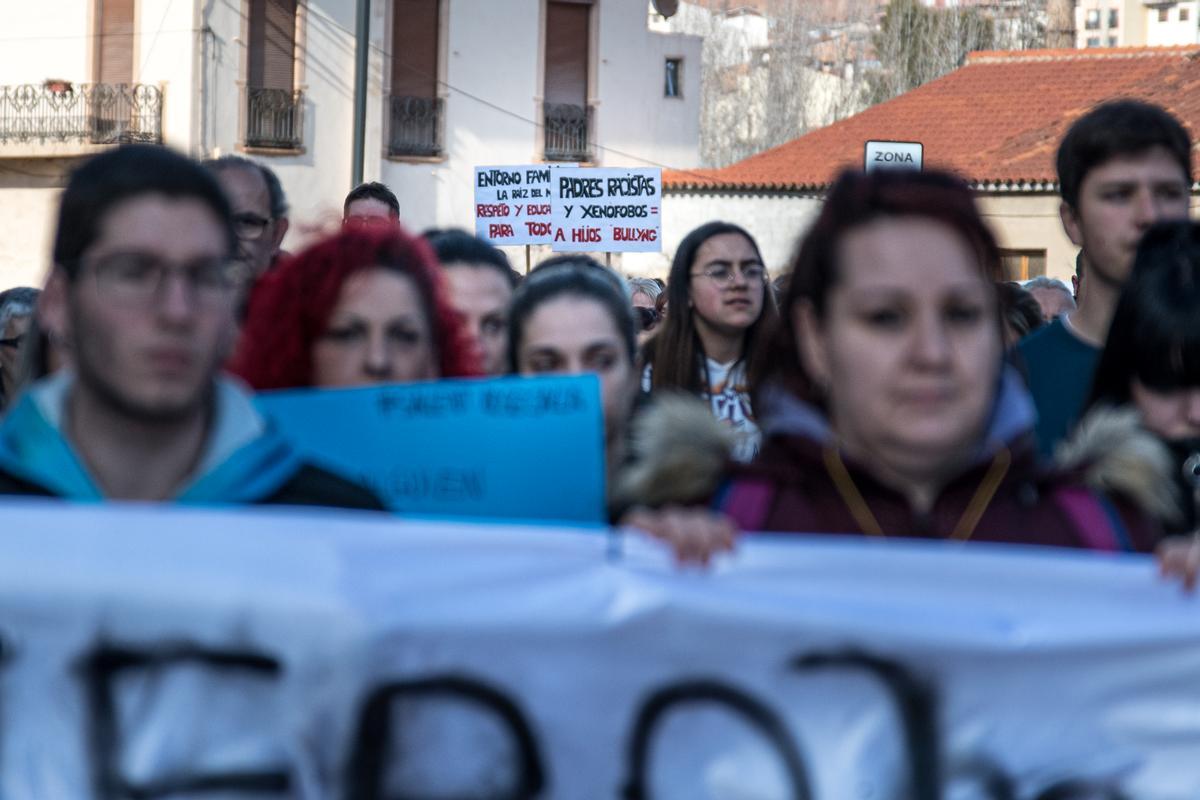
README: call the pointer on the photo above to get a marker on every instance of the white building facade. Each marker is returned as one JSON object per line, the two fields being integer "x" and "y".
{"x": 1137, "y": 23}
{"x": 452, "y": 84}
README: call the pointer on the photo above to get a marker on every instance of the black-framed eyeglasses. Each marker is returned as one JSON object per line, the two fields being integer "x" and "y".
{"x": 723, "y": 273}
{"x": 249, "y": 226}
{"x": 137, "y": 279}
{"x": 14, "y": 342}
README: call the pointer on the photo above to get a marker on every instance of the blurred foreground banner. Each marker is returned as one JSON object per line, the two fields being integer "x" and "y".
{"x": 169, "y": 653}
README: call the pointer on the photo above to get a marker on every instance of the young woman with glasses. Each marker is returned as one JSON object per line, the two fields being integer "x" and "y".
{"x": 721, "y": 315}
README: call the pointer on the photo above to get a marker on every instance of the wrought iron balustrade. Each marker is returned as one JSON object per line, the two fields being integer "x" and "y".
{"x": 91, "y": 113}
{"x": 568, "y": 132}
{"x": 415, "y": 126}
{"x": 274, "y": 118}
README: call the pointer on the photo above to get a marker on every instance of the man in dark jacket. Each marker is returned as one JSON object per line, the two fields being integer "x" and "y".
{"x": 143, "y": 290}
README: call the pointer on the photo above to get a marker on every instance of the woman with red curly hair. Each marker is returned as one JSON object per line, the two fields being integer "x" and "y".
{"x": 361, "y": 307}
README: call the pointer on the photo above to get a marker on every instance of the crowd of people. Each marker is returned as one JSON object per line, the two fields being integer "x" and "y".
{"x": 889, "y": 382}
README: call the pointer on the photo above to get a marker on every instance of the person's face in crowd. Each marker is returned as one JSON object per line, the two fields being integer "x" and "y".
{"x": 367, "y": 212}
{"x": 909, "y": 348}
{"x": 10, "y": 356}
{"x": 726, "y": 300}
{"x": 642, "y": 300}
{"x": 572, "y": 335}
{"x": 1054, "y": 302}
{"x": 259, "y": 235}
{"x": 1172, "y": 414}
{"x": 149, "y": 317}
{"x": 377, "y": 333}
{"x": 1118, "y": 201}
{"x": 482, "y": 296}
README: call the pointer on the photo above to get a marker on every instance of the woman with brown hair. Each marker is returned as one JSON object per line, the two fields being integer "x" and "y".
{"x": 721, "y": 315}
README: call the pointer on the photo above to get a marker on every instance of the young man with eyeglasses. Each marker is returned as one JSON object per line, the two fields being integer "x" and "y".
{"x": 259, "y": 210}
{"x": 16, "y": 312}
{"x": 143, "y": 291}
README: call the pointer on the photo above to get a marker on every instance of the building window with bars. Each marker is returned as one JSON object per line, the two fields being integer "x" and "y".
{"x": 415, "y": 108}
{"x": 674, "y": 73}
{"x": 566, "y": 115}
{"x": 272, "y": 104}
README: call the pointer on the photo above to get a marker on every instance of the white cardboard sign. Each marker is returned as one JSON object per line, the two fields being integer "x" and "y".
{"x": 512, "y": 204}
{"x": 610, "y": 209}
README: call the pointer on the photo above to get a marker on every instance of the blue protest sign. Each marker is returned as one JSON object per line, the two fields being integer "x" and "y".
{"x": 510, "y": 448}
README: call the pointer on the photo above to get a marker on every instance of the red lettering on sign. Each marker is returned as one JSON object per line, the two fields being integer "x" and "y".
{"x": 500, "y": 231}
{"x": 585, "y": 235}
{"x": 538, "y": 228}
{"x": 635, "y": 235}
{"x": 491, "y": 210}
{"x": 539, "y": 211}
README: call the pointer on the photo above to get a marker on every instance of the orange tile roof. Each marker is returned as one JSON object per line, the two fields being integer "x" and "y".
{"x": 995, "y": 120}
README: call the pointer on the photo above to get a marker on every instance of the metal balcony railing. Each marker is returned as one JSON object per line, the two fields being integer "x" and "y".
{"x": 91, "y": 113}
{"x": 568, "y": 132}
{"x": 416, "y": 126}
{"x": 274, "y": 118}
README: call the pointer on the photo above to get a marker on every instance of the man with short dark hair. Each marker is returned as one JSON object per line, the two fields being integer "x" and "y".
{"x": 481, "y": 288}
{"x": 1122, "y": 167}
{"x": 370, "y": 204}
{"x": 259, "y": 207}
{"x": 142, "y": 290}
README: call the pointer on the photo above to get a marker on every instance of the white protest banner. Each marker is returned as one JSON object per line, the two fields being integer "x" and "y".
{"x": 609, "y": 209}
{"x": 316, "y": 654}
{"x": 893, "y": 155}
{"x": 512, "y": 204}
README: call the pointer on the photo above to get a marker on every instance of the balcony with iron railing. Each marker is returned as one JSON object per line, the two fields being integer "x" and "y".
{"x": 274, "y": 119}
{"x": 62, "y": 118}
{"x": 415, "y": 126}
{"x": 567, "y": 135}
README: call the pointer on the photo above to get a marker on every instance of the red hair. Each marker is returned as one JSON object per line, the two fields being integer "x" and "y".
{"x": 290, "y": 307}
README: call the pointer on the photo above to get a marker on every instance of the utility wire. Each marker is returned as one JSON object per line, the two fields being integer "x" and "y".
{"x": 519, "y": 116}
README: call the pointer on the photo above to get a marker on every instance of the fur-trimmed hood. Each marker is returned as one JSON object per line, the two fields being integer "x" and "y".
{"x": 678, "y": 454}
{"x": 1112, "y": 453}
{"x": 681, "y": 454}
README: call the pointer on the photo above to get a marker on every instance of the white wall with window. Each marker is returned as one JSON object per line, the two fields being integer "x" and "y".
{"x": 483, "y": 78}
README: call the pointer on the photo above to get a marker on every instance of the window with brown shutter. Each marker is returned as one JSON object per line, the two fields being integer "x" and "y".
{"x": 415, "y": 115}
{"x": 415, "y": 48}
{"x": 114, "y": 42}
{"x": 567, "y": 52}
{"x": 274, "y": 108}
{"x": 567, "y": 117}
{"x": 272, "y": 53}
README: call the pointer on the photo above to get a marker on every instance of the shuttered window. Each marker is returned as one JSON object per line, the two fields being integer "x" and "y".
{"x": 567, "y": 52}
{"x": 272, "y": 56}
{"x": 114, "y": 57}
{"x": 415, "y": 48}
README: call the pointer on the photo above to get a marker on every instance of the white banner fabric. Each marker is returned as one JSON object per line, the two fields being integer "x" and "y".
{"x": 316, "y": 654}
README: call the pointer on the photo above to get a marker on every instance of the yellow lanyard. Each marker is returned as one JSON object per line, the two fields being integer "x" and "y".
{"x": 869, "y": 525}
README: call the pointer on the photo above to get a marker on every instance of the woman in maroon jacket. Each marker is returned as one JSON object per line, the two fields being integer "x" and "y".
{"x": 887, "y": 406}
